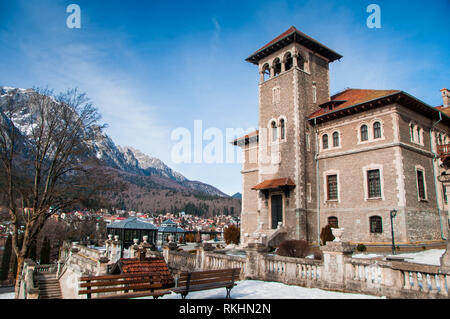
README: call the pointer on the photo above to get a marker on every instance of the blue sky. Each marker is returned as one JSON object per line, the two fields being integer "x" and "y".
{"x": 153, "y": 66}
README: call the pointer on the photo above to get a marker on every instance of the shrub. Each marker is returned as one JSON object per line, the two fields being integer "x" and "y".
{"x": 232, "y": 235}
{"x": 190, "y": 238}
{"x": 293, "y": 248}
{"x": 361, "y": 248}
{"x": 198, "y": 237}
{"x": 318, "y": 255}
{"x": 326, "y": 234}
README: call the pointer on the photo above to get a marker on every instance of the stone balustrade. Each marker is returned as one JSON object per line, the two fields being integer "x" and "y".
{"x": 337, "y": 271}
{"x": 27, "y": 289}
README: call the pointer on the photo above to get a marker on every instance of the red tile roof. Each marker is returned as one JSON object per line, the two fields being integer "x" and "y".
{"x": 242, "y": 138}
{"x": 274, "y": 183}
{"x": 445, "y": 110}
{"x": 350, "y": 97}
{"x": 292, "y": 29}
{"x": 152, "y": 264}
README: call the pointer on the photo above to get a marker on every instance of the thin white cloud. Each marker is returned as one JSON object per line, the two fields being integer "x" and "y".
{"x": 131, "y": 119}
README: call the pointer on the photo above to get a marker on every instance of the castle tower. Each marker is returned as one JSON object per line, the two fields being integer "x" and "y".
{"x": 278, "y": 185}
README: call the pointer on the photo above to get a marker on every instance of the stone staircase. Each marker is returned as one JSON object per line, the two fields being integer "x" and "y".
{"x": 48, "y": 285}
{"x": 269, "y": 237}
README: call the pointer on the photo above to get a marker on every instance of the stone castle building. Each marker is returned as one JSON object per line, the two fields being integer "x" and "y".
{"x": 347, "y": 159}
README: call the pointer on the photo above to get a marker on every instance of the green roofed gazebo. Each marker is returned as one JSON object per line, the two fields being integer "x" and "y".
{"x": 131, "y": 228}
{"x": 168, "y": 228}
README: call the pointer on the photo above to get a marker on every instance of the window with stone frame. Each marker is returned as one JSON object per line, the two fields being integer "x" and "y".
{"x": 421, "y": 185}
{"x": 377, "y": 130}
{"x": 374, "y": 183}
{"x": 282, "y": 129}
{"x": 308, "y": 142}
{"x": 364, "y": 133}
{"x": 325, "y": 141}
{"x": 376, "y": 224}
{"x": 274, "y": 131}
{"x": 333, "y": 221}
{"x": 336, "y": 139}
{"x": 314, "y": 92}
{"x": 332, "y": 187}
{"x": 276, "y": 94}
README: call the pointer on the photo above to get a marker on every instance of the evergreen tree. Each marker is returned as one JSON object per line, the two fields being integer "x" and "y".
{"x": 32, "y": 253}
{"x": 6, "y": 260}
{"x": 45, "y": 252}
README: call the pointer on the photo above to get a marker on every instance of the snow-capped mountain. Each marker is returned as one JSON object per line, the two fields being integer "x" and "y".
{"x": 125, "y": 158}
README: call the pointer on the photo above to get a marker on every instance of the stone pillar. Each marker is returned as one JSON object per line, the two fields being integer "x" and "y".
{"x": 254, "y": 263}
{"x": 108, "y": 246}
{"x": 102, "y": 266}
{"x": 334, "y": 270}
{"x": 261, "y": 76}
{"x": 294, "y": 59}
{"x": 205, "y": 247}
{"x": 445, "y": 259}
{"x": 166, "y": 254}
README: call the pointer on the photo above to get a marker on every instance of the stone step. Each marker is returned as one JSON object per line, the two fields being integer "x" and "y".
{"x": 52, "y": 289}
{"x": 50, "y": 297}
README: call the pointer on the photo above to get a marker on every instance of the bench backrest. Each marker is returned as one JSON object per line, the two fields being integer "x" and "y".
{"x": 209, "y": 276}
{"x": 119, "y": 283}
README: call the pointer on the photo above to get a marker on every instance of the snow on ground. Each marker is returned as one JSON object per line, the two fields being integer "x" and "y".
{"x": 256, "y": 289}
{"x": 429, "y": 257}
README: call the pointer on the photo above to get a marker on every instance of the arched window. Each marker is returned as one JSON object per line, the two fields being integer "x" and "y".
{"x": 333, "y": 221}
{"x": 282, "y": 129}
{"x": 376, "y": 130}
{"x": 325, "y": 141}
{"x": 288, "y": 61}
{"x": 300, "y": 62}
{"x": 412, "y": 132}
{"x": 418, "y": 135}
{"x": 274, "y": 131}
{"x": 266, "y": 71}
{"x": 335, "y": 139}
{"x": 364, "y": 133}
{"x": 376, "y": 224}
{"x": 276, "y": 67}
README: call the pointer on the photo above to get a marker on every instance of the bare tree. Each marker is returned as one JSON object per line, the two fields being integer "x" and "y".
{"x": 45, "y": 147}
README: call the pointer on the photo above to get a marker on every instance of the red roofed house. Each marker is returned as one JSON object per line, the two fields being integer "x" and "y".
{"x": 347, "y": 159}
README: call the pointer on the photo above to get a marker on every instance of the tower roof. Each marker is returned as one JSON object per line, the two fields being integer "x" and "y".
{"x": 289, "y": 36}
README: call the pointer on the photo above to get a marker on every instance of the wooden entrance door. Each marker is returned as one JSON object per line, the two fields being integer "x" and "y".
{"x": 277, "y": 210}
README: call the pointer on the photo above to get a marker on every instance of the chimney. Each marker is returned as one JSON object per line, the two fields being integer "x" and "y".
{"x": 445, "y": 97}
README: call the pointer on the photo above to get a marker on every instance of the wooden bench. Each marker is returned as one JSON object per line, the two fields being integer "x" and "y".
{"x": 209, "y": 279}
{"x": 141, "y": 285}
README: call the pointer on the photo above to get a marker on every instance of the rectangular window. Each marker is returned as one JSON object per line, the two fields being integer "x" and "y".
{"x": 308, "y": 192}
{"x": 374, "y": 184}
{"x": 421, "y": 185}
{"x": 376, "y": 224}
{"x": 332, "y": 187}
{"x": 276, "y": 95}
{"x": 307, "y": 141}
{"x": 314, "y": 92}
